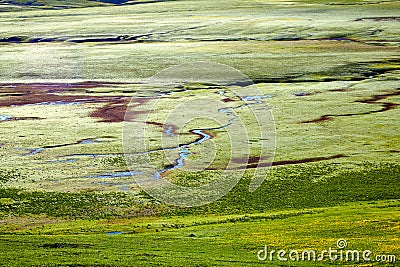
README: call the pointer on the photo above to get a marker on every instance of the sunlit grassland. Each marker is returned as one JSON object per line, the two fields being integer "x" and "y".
{"x": 372, "y": 137}
{"x": 310, "y": 58}
{"x": 202, "y": 240}
{"x": 304, "y": 60}
{"x": 361, "y": 137}
{"x": 236, "y": 33}
{"x": 290, "y": 187}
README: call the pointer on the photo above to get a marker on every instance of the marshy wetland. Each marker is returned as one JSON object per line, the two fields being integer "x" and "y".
{"x": 329, "y": 72}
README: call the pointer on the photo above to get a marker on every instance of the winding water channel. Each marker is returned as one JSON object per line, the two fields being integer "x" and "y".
{"x": 184, "y": 149}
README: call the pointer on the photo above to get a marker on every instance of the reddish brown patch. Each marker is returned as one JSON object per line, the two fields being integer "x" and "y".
{"x": 379, "y": 19}
{"x": 37, "y": 98}
{"x": 339, "y": 90}
{"x": 114, "y": 111}
{"x": 386, "y": 105}
{"x": 250, "y": 160}
{"x": 40, "y": 93}
{"x": 316, "y": 159}
{"x": 373, "y": 100}
{"x": 226, "y": 100}
{"x": 131, "y": 113}
{"x": 320, "y": 119}
{"x": 159, "y": 124}
{"x": 283, "y": 162}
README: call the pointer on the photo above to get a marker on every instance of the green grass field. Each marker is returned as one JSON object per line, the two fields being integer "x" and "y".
{"x": 68, "y": 69}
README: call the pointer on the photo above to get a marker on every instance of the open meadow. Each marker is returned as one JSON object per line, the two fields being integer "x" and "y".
{"x": 328, "y": 71}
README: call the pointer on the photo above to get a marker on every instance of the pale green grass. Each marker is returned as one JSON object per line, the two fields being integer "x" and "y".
{"x": 372, "y": 137}
{"x": 284, "y": 46}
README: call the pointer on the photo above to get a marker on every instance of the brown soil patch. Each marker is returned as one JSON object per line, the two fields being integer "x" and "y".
{"x": 250, "y": 160}
{"x": 20, "y": 94}
{"x": 113, "y": 111}
{"x": 373, "y": 100}
{"x": 320, "y": 119}
{"x": 253, "y": 163}
{"x": 379, "y": 19}
{"x": 226, "y": 100}
{"x": 289, "y": 162}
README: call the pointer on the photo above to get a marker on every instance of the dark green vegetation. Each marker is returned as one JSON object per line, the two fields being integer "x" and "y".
{"x": 69, "y": 68}
{"x": 201, "y": 240}
{"x": 9, "y": 175}
{"x": 297, "y": 208}
{"x": 292, "y": 187}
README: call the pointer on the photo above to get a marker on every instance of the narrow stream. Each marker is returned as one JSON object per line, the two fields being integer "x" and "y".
{"x": 40, "y": 149}
{"x": 5, "y": 117}
{"x": 184, "y": 152}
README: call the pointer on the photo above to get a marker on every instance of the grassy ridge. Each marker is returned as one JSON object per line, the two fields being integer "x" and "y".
{"x": 204, "y": 241}
{"x": 291, "y": 187}
{"x": 314, "y": 186}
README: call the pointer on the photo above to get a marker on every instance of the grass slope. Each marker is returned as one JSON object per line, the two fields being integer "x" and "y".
{"x": 330, "y": 67}
{"x": 204, "y": 241}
